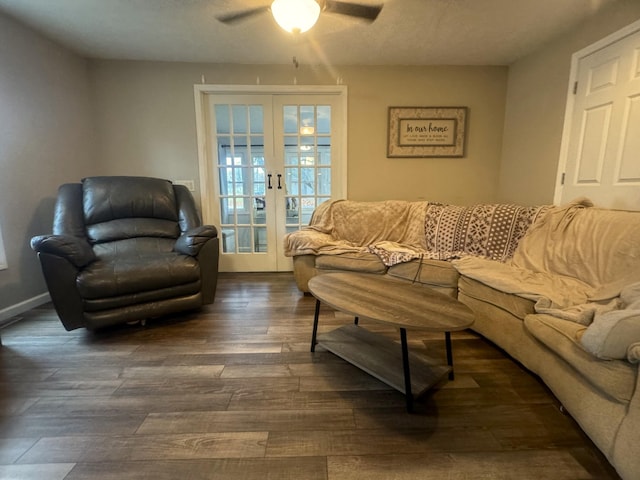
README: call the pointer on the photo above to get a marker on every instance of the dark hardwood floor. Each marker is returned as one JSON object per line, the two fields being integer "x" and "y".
{"x": 232, "y": 392}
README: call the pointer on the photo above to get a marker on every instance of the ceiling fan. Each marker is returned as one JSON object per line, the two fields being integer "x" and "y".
{"x": 298, "y": 16}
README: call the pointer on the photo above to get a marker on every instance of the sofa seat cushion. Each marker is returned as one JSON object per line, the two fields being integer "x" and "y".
{"x": 354, "y": 262}
{"x": 613, "y": 378}
{"x": 128, "y": 275}
{"x": 428, "y": 272}
{"x": 517, "y": 306}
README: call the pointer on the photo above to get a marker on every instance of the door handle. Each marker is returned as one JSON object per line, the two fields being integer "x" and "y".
{"x": 279, "y": 179}
{"x": 269, "y": 182}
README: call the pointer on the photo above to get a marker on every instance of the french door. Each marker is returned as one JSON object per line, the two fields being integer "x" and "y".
{"x": 271, "y": 158}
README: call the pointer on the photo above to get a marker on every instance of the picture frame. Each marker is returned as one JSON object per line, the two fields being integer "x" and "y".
{"x": 426, "y": 132}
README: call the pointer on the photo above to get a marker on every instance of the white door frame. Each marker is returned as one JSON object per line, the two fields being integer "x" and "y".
{"x": 568, "y": 114}
{"x": 206, "y": 170}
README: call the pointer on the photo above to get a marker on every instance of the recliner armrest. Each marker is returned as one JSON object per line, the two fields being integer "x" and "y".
{"x": 74, "y": 249}
{"x": 192, "y": 241}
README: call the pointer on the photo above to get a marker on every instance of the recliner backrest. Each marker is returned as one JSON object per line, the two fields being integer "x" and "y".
{"x": 129, "y": 215}
{"x": 117, "y": 208}
{"x": 120, "y": 214}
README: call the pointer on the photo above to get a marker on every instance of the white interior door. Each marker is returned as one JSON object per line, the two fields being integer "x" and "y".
{"x": 271, "y": 160}
{"x": 603, "y": 126}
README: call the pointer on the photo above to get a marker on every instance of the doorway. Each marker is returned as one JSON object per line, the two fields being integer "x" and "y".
{"x": 269, "y": 156}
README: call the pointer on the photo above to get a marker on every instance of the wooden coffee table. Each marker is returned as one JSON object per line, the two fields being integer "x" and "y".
{"x": 393, "y": 302}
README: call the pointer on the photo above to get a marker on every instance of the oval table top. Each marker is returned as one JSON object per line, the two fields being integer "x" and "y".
{"x": 395, "y": 302}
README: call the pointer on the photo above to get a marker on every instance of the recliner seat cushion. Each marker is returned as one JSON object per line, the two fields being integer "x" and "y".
{"x": 127, "y": 275}
{"x": 140, "y": 298}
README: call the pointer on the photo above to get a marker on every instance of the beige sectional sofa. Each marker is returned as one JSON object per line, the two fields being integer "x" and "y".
{"x": 558, "y": 288}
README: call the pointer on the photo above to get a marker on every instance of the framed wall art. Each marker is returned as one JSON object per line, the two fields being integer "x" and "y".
{"x": 426, "y": 131}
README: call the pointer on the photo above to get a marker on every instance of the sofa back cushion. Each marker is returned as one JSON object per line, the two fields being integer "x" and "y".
{"x": 600, "y": 247}
{"x": 366, "y": 223}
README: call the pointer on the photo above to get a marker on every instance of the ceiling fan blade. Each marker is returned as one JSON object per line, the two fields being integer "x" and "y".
{"x": 366, "y": 12}
{"x": 236, "y": 17}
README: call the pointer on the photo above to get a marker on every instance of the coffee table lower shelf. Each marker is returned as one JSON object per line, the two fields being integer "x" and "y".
{"x": 381, "y": 357}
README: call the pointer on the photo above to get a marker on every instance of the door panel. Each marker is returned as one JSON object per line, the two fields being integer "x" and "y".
{"x": 603, "y": 144}
{"x": 305, "y": 129}
{"x": 243, "y": 152}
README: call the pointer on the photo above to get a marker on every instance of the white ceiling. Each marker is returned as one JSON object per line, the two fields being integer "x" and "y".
{"x": 407, "y": 32}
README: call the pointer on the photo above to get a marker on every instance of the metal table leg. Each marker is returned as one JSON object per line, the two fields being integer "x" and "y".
{"x": 406, "y": 370}
{"x": 315, "y": 326}
{"x": 447, "y": 339}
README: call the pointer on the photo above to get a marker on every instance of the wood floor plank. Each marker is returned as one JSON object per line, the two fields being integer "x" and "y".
{"x": 499, "y": 465}
{"x": 308, "y": 468}
{"x": 233, "y": 392}
{"x": 117, "y": 405}
{"x": 377, "y": 442}
{"x": 53, "y": 471}
{"x": 113, "y": 448}
{"x": 266, "y": 420}
{"x": 231, "y": 386}
{"x": 48, "y": 426}
{"x": 317, "y": 399}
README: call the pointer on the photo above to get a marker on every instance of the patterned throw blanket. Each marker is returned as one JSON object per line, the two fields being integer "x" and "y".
{"x": 490, "y": 231}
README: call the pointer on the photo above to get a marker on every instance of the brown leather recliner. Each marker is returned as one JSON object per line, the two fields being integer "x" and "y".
{"x": 126, "y": 249}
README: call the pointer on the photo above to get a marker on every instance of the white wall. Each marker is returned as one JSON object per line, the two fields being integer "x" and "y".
{"x": 46, "y": 138}
{"x": 536, "y": 100}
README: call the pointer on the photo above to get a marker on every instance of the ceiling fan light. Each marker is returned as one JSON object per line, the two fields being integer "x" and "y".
{"x": 295, "y": 15}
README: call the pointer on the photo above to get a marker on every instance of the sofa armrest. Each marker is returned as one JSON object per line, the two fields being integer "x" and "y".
{"x": 191, "y": 242}
{"x": 76, "y": 250}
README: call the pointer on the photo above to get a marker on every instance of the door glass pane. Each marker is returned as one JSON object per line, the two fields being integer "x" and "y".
{"x": 222, "y": 119}
{"x": 260, "y": 239}
{"x": 324, "y": 181}
{"x": 308, "y": 181}
{"x": 239, "y": 114}
{"x": 324, "y": 119}
{"x": 324, "y": 150}
{"x": 292, "y": 180}
{"x": 292, "y": 210}
{"x": 244, "y": 240}
{"x": 290, "y": 118}
{"x": 307, "y": 119}
{"x": 256, "y": 119}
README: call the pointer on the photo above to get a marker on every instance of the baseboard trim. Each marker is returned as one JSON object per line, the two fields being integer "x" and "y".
{"x": 8, "y": 313}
